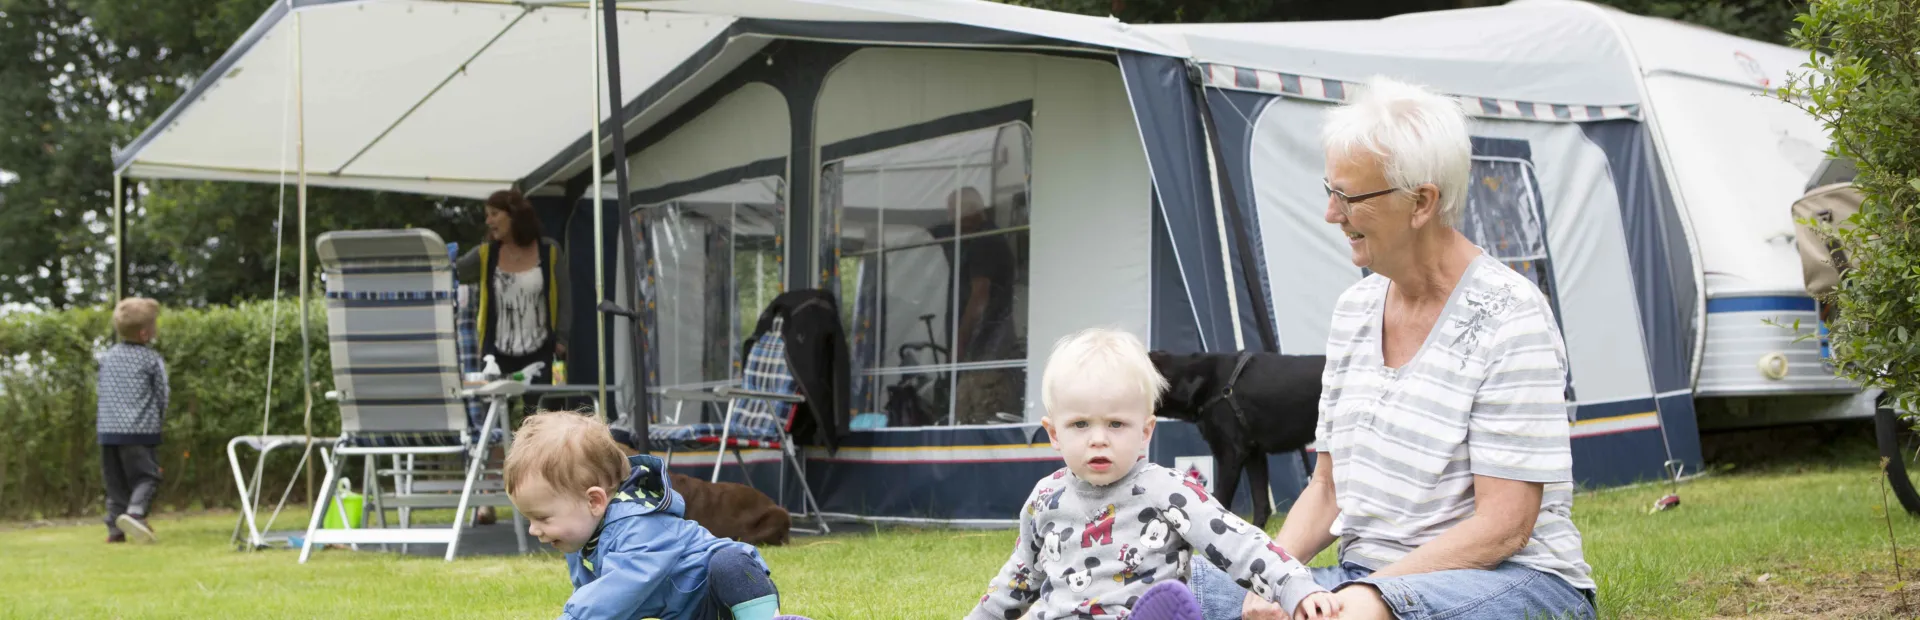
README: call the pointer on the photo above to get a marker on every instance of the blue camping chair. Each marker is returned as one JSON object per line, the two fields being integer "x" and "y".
{"x": 760, "y": 408}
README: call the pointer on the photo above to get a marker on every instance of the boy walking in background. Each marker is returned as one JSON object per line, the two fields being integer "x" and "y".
{"x": 132, "y": 393}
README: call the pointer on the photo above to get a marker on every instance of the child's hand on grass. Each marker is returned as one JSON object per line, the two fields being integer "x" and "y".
{"x": 1318, "y": 606}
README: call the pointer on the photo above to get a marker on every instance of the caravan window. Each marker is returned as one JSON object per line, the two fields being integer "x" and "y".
{"x": 1504, "y": 216}
{"x": 929, "y": 245}
{"x": 713, "y": 260}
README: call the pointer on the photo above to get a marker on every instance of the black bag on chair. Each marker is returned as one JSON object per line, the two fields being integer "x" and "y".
{"x": 817, "y": 353}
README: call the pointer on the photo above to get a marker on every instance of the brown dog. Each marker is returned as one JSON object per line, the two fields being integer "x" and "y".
{"x": 731, "y": 510}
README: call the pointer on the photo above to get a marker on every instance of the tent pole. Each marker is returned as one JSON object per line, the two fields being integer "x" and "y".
{"x": 618, "y": 125}
{"x": 599, "y": 214}
{"x": 306, "y": 324}
{"x": 1223, "y": 195}
{"x": 1226, "y": 245}
{"x": 119, "y": 244}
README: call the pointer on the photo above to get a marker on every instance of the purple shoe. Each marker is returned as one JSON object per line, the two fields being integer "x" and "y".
{"x": 1167, "y": 600}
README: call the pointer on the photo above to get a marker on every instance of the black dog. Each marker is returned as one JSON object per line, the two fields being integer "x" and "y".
{"x": 1247, "y": 405}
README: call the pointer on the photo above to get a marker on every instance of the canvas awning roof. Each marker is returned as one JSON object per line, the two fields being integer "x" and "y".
{"x": 462, "y": 98}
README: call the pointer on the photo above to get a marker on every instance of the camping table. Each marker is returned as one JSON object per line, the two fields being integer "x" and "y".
{"x": 589, "y": 390}
{"x": 592, "y": 392}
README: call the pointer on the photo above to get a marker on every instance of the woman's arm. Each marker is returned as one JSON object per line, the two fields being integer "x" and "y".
{"x": 1307, "y": 530}
{"x": 1501, "y": 525}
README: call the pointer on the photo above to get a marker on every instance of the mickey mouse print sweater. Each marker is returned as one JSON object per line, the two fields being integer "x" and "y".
{"x": 1087, "y": 551}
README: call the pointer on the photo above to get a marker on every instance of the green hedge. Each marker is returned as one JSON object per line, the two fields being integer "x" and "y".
{"x": 217, "y": 365}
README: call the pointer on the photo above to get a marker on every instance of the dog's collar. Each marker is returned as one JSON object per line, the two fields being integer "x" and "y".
{"x": 1226, "y": 392}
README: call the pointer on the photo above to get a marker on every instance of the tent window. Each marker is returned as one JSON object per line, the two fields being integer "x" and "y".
{"x": 713, "y": 261}
{"x": 1504, "y": 216}
{"x": 930, "y": 245}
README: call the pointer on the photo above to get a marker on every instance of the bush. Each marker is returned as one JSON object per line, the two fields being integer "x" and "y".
{"x": 217, "y": 366}
{"x": 1864, "y": 85}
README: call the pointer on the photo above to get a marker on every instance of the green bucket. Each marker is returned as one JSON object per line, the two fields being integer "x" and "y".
{"x": 349, "y": 502}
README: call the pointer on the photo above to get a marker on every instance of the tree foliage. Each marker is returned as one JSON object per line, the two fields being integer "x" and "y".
{"x": 1866, "y": 90}
{"x": 79, "y": 78}
{"x": 1762, "y": 20}
{"x": 222, "y": 387}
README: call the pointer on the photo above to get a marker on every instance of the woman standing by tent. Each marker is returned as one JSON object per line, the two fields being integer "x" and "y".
{"x": 524, "y": 316}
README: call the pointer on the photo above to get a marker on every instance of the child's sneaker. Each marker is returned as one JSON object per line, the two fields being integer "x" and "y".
{"x": 137, "y": 526}
{"x": 114, "y": 539}
{"x": 1168, "y": 600}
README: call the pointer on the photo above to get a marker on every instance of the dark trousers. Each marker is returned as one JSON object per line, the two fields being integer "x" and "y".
{"x": 735, "y": 577}
{"x": 133, "y": 476}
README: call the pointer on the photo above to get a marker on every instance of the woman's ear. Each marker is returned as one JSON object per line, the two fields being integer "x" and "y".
{"x": 1426, "y": 205}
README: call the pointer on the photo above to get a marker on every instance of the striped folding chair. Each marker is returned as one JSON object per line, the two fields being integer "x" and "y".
{"x": 396, "y": 371}
{"x": 760, "y": 407}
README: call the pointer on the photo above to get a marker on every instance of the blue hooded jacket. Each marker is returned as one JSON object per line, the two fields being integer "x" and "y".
{"x": 646, "y": 560}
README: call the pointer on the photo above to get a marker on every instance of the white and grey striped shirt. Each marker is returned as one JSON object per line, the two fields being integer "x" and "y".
{"x": 1484, "y": 395}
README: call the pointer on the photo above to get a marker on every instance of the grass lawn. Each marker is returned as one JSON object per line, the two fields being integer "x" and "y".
{"x": 1786, "y": 540}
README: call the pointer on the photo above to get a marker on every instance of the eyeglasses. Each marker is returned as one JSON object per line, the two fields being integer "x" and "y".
{"x": 1346, "y": 202}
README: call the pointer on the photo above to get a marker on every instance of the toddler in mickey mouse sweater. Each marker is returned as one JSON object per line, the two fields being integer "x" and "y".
{"x": 1099, "y": 532}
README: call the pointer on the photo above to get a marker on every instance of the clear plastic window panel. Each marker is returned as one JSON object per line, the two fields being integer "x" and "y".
{"x": 713, "y": 261}
{"x": 1504, "y": 217}
{"x": 927, "y": 248}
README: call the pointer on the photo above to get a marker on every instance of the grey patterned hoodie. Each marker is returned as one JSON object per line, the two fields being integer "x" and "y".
{"x": 1087, "y": 551}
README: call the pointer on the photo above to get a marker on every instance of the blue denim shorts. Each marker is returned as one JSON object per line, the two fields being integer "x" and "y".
{"x": 1508, "y": 591}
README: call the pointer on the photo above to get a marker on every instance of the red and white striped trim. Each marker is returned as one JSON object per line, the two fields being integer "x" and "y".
{"x": 1323, "y": 89}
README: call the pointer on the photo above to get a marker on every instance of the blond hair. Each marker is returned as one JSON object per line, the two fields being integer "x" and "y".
{"x": 133, "y": 316}
{"x": 570, "y": 451}
{"x": 1100, "y": 367}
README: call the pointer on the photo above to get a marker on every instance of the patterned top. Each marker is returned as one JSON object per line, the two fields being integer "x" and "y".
{"x": 1087, "y": 551}
{"x": 132, "y": 392}
{"x": 1484, "y": 395}
{"x": 523, "y": 311}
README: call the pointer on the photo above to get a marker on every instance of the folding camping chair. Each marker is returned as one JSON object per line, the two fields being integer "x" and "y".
{"x": 760, "y": 407}
{"x": 390, "y": 317}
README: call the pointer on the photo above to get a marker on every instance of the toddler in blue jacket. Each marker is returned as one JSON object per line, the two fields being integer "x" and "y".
{"x": 631, "y": 553}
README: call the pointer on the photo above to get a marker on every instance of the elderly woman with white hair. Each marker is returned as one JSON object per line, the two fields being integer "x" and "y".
{"x": 1444, "y": 465}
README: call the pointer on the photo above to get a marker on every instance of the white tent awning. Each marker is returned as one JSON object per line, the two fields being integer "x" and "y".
{"x": 466, "y": 97}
